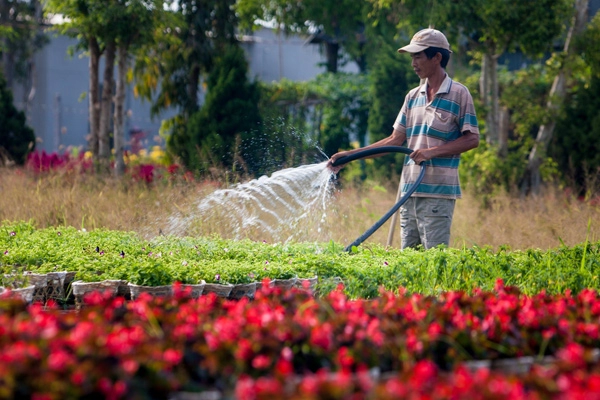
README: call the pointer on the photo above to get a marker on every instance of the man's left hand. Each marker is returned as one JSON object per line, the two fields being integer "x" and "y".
{"x": 420, "y": 155}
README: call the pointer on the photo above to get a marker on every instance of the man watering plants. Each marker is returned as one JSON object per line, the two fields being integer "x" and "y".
{"x": 437, "y": 121}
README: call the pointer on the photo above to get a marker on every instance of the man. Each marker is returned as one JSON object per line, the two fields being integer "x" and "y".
{"x": 437, "y": 121}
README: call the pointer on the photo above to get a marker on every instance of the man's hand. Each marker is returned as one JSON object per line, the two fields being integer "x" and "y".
{"x": 420, "y": 155}
{"x": 333, "y": 159}
{"x": 466, "y": 142}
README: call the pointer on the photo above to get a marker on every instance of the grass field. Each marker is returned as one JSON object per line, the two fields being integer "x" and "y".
{"x": 543, "y": 221}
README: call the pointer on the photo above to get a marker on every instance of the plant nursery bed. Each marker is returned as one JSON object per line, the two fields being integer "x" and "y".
{"x": 291, "y": 344}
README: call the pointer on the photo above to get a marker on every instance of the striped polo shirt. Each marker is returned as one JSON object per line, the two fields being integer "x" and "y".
{"x": 444, "y": 119}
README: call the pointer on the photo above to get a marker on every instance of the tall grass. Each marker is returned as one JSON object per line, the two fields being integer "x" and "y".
{"x": 68, "y": 199}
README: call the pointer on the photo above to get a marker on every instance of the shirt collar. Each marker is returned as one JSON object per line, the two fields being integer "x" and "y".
{"x": 444, "y": 87}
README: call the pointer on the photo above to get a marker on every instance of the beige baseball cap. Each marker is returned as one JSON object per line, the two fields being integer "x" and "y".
{"x": 426, "y": 38}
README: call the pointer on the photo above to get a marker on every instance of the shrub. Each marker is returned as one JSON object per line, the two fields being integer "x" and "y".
{"x": 16, "y": 138}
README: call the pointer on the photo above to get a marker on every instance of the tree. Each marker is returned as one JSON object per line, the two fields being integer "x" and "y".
{"x": 21, "y": 35}
{"x": 16, "y": 138}
{"x": 84, "y": 22}
{"x": 499, "y": 26}
{"x": 134, "y": 26}
{"x": 532, "y": 178}
{"x": 220, "y": 132}
{"x": 110, "y": 28}
{"x": 292, "y": 116}
{"x": 169, "y": 70}
{"x": 575, "y": 149}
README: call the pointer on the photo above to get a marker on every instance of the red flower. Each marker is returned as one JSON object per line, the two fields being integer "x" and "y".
{"x": 573, "y": 354}
{"x": 424, "y": 372}
{"x": 345, "y": 359}
{"x": 244, "y": 389}
{"x": 261, "y": 361}
{"x": 41, "y": 396}
{"x": 284, "y": 367}
{"x": 172, "y": 356}
{"x": 322, "y": 336}
{"x": 78, "y": 378}
{"x": 60, "y": 360}
{"x": 244, "y": 350}
{"x": 173, "y": 169}
{"x": 434, "y": 331}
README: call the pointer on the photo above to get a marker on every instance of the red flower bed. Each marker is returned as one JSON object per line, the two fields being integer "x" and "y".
{"x": 44, "y": 162}
{"x": 295, "y": 345}
{"x": 147, "y": 172}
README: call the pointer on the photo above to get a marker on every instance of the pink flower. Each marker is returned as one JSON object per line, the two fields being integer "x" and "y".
{"x": 345, "y": 358}
{"x": 244, "y": 350}
{"x": 434, "y": 331}
{"x": 172, "y": 356}
{"x": 573, "y": 354}
{"x": 130, "y": 366}
{"x": 59, "y": 360}
{"x": 78, "y": 378}
{"x": 261, "y": 361}
{"x": 284, "y": 367}
{"x": 322, "y": 336}
{"x": 424, "y": 372}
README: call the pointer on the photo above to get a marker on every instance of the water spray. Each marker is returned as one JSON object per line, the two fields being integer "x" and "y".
{"x": 409, "y": 192}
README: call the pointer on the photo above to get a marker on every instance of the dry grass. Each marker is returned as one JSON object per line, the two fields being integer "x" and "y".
{"x": 87, "y": 202}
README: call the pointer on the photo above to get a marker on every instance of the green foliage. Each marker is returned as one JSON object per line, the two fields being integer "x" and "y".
{"x": 168, "y": 72}
{"x": 391, "y": 78}
{"x": 22, "y": 36}
{"x": 345, "y": 109}
{"x": 291, "y": 123}
{"x": 221, "y": 132}
{"x": 86, "y": 18}
{"x": 529, "y": 26}
{"x": 575, "y": 146}
{"x": 325, "y": 113}
{"x": 524, "y": 93}
{"x": 485, "y": 173}
{"x": 103, "y": 254}
{"x": 16, "y": 138}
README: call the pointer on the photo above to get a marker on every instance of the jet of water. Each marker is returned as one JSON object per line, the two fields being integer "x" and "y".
{"x": 291, "y": 204}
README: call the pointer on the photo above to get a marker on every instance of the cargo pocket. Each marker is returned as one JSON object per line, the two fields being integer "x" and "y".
{"x": 437, "y": 221}
{"x": 409, "y": 231}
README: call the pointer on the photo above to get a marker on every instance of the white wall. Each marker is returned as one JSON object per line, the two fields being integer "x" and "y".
{"x": 273, "y": 56}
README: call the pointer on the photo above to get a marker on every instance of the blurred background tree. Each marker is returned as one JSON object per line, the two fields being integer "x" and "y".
{"x": 221, "y": 132}
{"x": 16, "y": 138}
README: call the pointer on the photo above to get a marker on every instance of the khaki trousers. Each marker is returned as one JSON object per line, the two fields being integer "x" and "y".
{"x": 426, "y": 221}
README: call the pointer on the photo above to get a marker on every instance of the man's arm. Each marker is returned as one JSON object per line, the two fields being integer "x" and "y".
{"x": 466, "y": 142}
{"x": 397, "y": 138}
